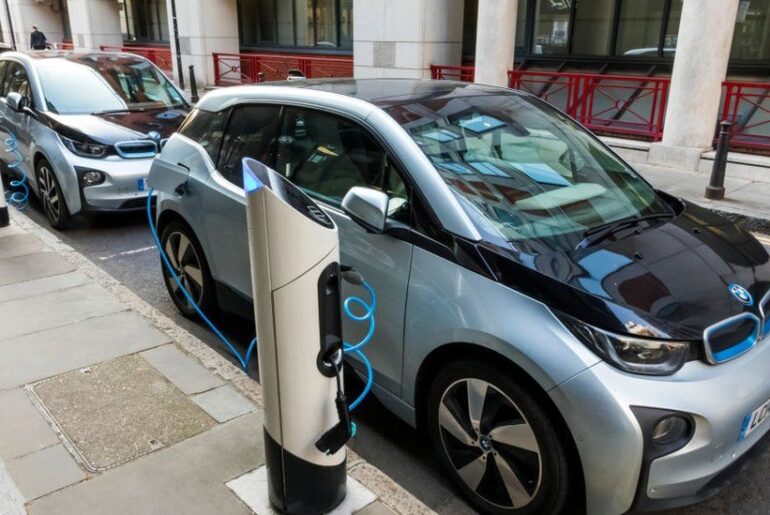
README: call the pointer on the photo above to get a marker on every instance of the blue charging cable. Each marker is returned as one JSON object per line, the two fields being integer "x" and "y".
{"x": 17, "y": 199}
{"x": 348, "y": 348}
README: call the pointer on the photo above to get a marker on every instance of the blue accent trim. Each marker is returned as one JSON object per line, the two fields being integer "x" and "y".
{"x": 744, "y": 426}
{"x": 736, "y": 350}
{"x": 250, "y": 181}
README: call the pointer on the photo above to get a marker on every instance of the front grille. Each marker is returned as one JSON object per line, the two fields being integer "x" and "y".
{"x": 731, "y": 337}
{"x": 136, "y": 149}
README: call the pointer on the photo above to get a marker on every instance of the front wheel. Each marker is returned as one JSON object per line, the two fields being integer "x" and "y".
{"x": 186, "y": 257}
{"x": 496, "y": 442}
{"x": 51, "y": 195}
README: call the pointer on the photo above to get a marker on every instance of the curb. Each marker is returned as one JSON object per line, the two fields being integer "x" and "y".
{"x": 390, "y": 493}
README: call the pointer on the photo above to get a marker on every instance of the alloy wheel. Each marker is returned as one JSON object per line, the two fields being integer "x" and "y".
{"x": 187, "y": 265}
{"x": 490, "y": 443}
{"x": 49, "y": 193}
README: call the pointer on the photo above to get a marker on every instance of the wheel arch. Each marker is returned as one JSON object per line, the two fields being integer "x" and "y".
{"x": 457, "y": 351}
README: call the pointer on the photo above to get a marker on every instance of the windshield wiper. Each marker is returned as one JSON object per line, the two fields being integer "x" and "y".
{"x": 121, "y": 111}
{"x": 596, "y": 234}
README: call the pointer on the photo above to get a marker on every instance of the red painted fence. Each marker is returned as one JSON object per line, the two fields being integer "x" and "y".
{"x": 232, "y": 69}
{"x": 747, "y": 106}
{"x": 161, "y": 56}
{"x": 626, "y": 105}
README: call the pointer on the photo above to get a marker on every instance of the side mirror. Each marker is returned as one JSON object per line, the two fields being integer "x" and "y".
{"x": 367, "y": 207}
{"x": 15, "y": 102}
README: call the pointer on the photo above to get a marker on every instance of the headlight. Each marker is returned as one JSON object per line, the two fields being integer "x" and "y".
{"x": 629, "y": 353}
{"x": 84, "y": 149}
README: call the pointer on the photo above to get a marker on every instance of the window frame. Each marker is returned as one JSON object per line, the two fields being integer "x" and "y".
{"x": 4, "y": 93}
{"x": 295, "y": 48}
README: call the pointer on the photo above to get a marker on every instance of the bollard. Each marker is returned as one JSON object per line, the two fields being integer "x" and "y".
{"x": 4, "y": 219}
{"x": 716, "y": 188}
{"x": 193, "y": 86}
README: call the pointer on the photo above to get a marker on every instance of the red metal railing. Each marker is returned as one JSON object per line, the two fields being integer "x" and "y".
{"x": 621, "y": 105}
{"x": 62, "y": 46}
{"x": 461, "y": 73}
{"x": 161, "y": 56}
{"x": 231, "y": 69}
{"x": 609, "y": 104}
{"x": 747, "y": 106}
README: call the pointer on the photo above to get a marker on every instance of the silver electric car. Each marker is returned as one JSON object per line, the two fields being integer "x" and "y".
{"x": 569, "y": 338}
{"x": 88, "y": 126}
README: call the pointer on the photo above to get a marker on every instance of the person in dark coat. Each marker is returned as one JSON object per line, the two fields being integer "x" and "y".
{"x": 37, "y": 40}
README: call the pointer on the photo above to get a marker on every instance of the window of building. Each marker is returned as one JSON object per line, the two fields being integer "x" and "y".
{"x": 552, "y": 20}
{"x": 751, "y": 40}
{"x": 144, "y": 21}
{"x": 639, "y": 27}
{"x": 593, "y": 27}
{"x": 321, "y": 24}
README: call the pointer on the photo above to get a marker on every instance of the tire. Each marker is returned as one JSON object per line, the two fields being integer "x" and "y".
{"x": 51, "y": 196}
{"x": 472, "y": 407}
{"x": 185, "y": 254}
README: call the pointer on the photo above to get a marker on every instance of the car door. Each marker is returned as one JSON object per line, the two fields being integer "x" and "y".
{"x": 249, "y": 133}
{"x": 14, "y": 124}
{"x": 326, "y": 155}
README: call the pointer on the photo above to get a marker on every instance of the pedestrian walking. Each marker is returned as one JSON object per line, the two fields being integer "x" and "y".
{"x": 37, "y": 40}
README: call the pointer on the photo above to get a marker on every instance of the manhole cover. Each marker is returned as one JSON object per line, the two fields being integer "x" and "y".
{"x": 116, "y": 411}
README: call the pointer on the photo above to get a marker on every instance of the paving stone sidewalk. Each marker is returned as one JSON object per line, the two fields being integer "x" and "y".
{"x": 107, "y": 406}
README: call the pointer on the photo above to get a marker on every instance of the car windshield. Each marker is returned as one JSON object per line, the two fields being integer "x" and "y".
{"x": 522, "y": 170}
{"x": 97, "y": 83}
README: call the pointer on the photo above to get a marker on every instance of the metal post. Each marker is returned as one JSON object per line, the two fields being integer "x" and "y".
{"x": 177, "y": 46}
{"x": 193, "y": 85}
{"x": 4, "y": 219}
{"x": 716, "y": 188}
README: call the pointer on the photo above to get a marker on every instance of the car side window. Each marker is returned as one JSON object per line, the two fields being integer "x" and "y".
{"x": 250, "y": 133}
{"x": 16, "y": 81}
{"x": 206, "y": 128}
{"x": 326, "y": 155}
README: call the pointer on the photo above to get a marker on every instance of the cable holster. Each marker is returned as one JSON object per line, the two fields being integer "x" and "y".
{"x": 336, "y": 437}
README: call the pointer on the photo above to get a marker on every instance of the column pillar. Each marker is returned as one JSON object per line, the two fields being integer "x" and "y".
{"x": 700, "y": 66}
{"x": 24, "y": 14}
{"x": 95, "y": 23}
{"x": 495, "y": 41}
{"x": 205, "y": 27}
{"x": 403, "y": 38}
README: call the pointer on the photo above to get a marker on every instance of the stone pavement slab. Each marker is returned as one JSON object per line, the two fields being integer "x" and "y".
{"x": 186, "y": 373}
{"x": 45, "y": 471}
{"x": 55, "y": 309}
{"x": 34, "y": 266}
{"x": 223, "y": 403}
{"x": 44, "y": 285}
{"x": 23, "y": 429}
{"x": 74, "y": 346}
{"x": 119, "y": 410}
{"x": 11, "y": 500}
{"x": 187, "y": 478}
{"x": 20, "y": 245}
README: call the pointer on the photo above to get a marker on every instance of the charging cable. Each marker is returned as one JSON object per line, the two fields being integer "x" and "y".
{"x": 348, "y": 348}
{"x": 17, "y": 199}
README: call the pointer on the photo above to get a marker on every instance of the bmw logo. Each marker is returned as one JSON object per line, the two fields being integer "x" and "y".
{"x": 741, "y": 293}
{"x": 154, "y": 135}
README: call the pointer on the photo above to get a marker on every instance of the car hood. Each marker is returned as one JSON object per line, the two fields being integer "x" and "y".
{"x": 110, "y": 128}
{"x": 668, "y": 281}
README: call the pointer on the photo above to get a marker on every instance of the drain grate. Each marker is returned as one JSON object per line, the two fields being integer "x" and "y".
{"x": 117, "y": 411}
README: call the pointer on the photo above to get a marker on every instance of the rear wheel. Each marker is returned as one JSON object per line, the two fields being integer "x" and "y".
{"x": 51, "y": 196}
{"x": 496, "y": 442}
{"x": 186, "y": 257}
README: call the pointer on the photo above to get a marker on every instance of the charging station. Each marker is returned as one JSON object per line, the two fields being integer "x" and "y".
{"x": 4, "y": 217}
{"x": 295, "y": 271}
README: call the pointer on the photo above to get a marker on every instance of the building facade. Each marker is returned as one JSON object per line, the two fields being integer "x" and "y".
{"x": 646, "y": 69}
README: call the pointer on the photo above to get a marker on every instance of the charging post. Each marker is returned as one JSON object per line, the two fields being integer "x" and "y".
{"x": 295, "y": 272}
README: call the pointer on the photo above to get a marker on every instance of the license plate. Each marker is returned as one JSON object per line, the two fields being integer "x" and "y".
{"x": 141, "y": 184}
{"x": 754, "y": 419}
